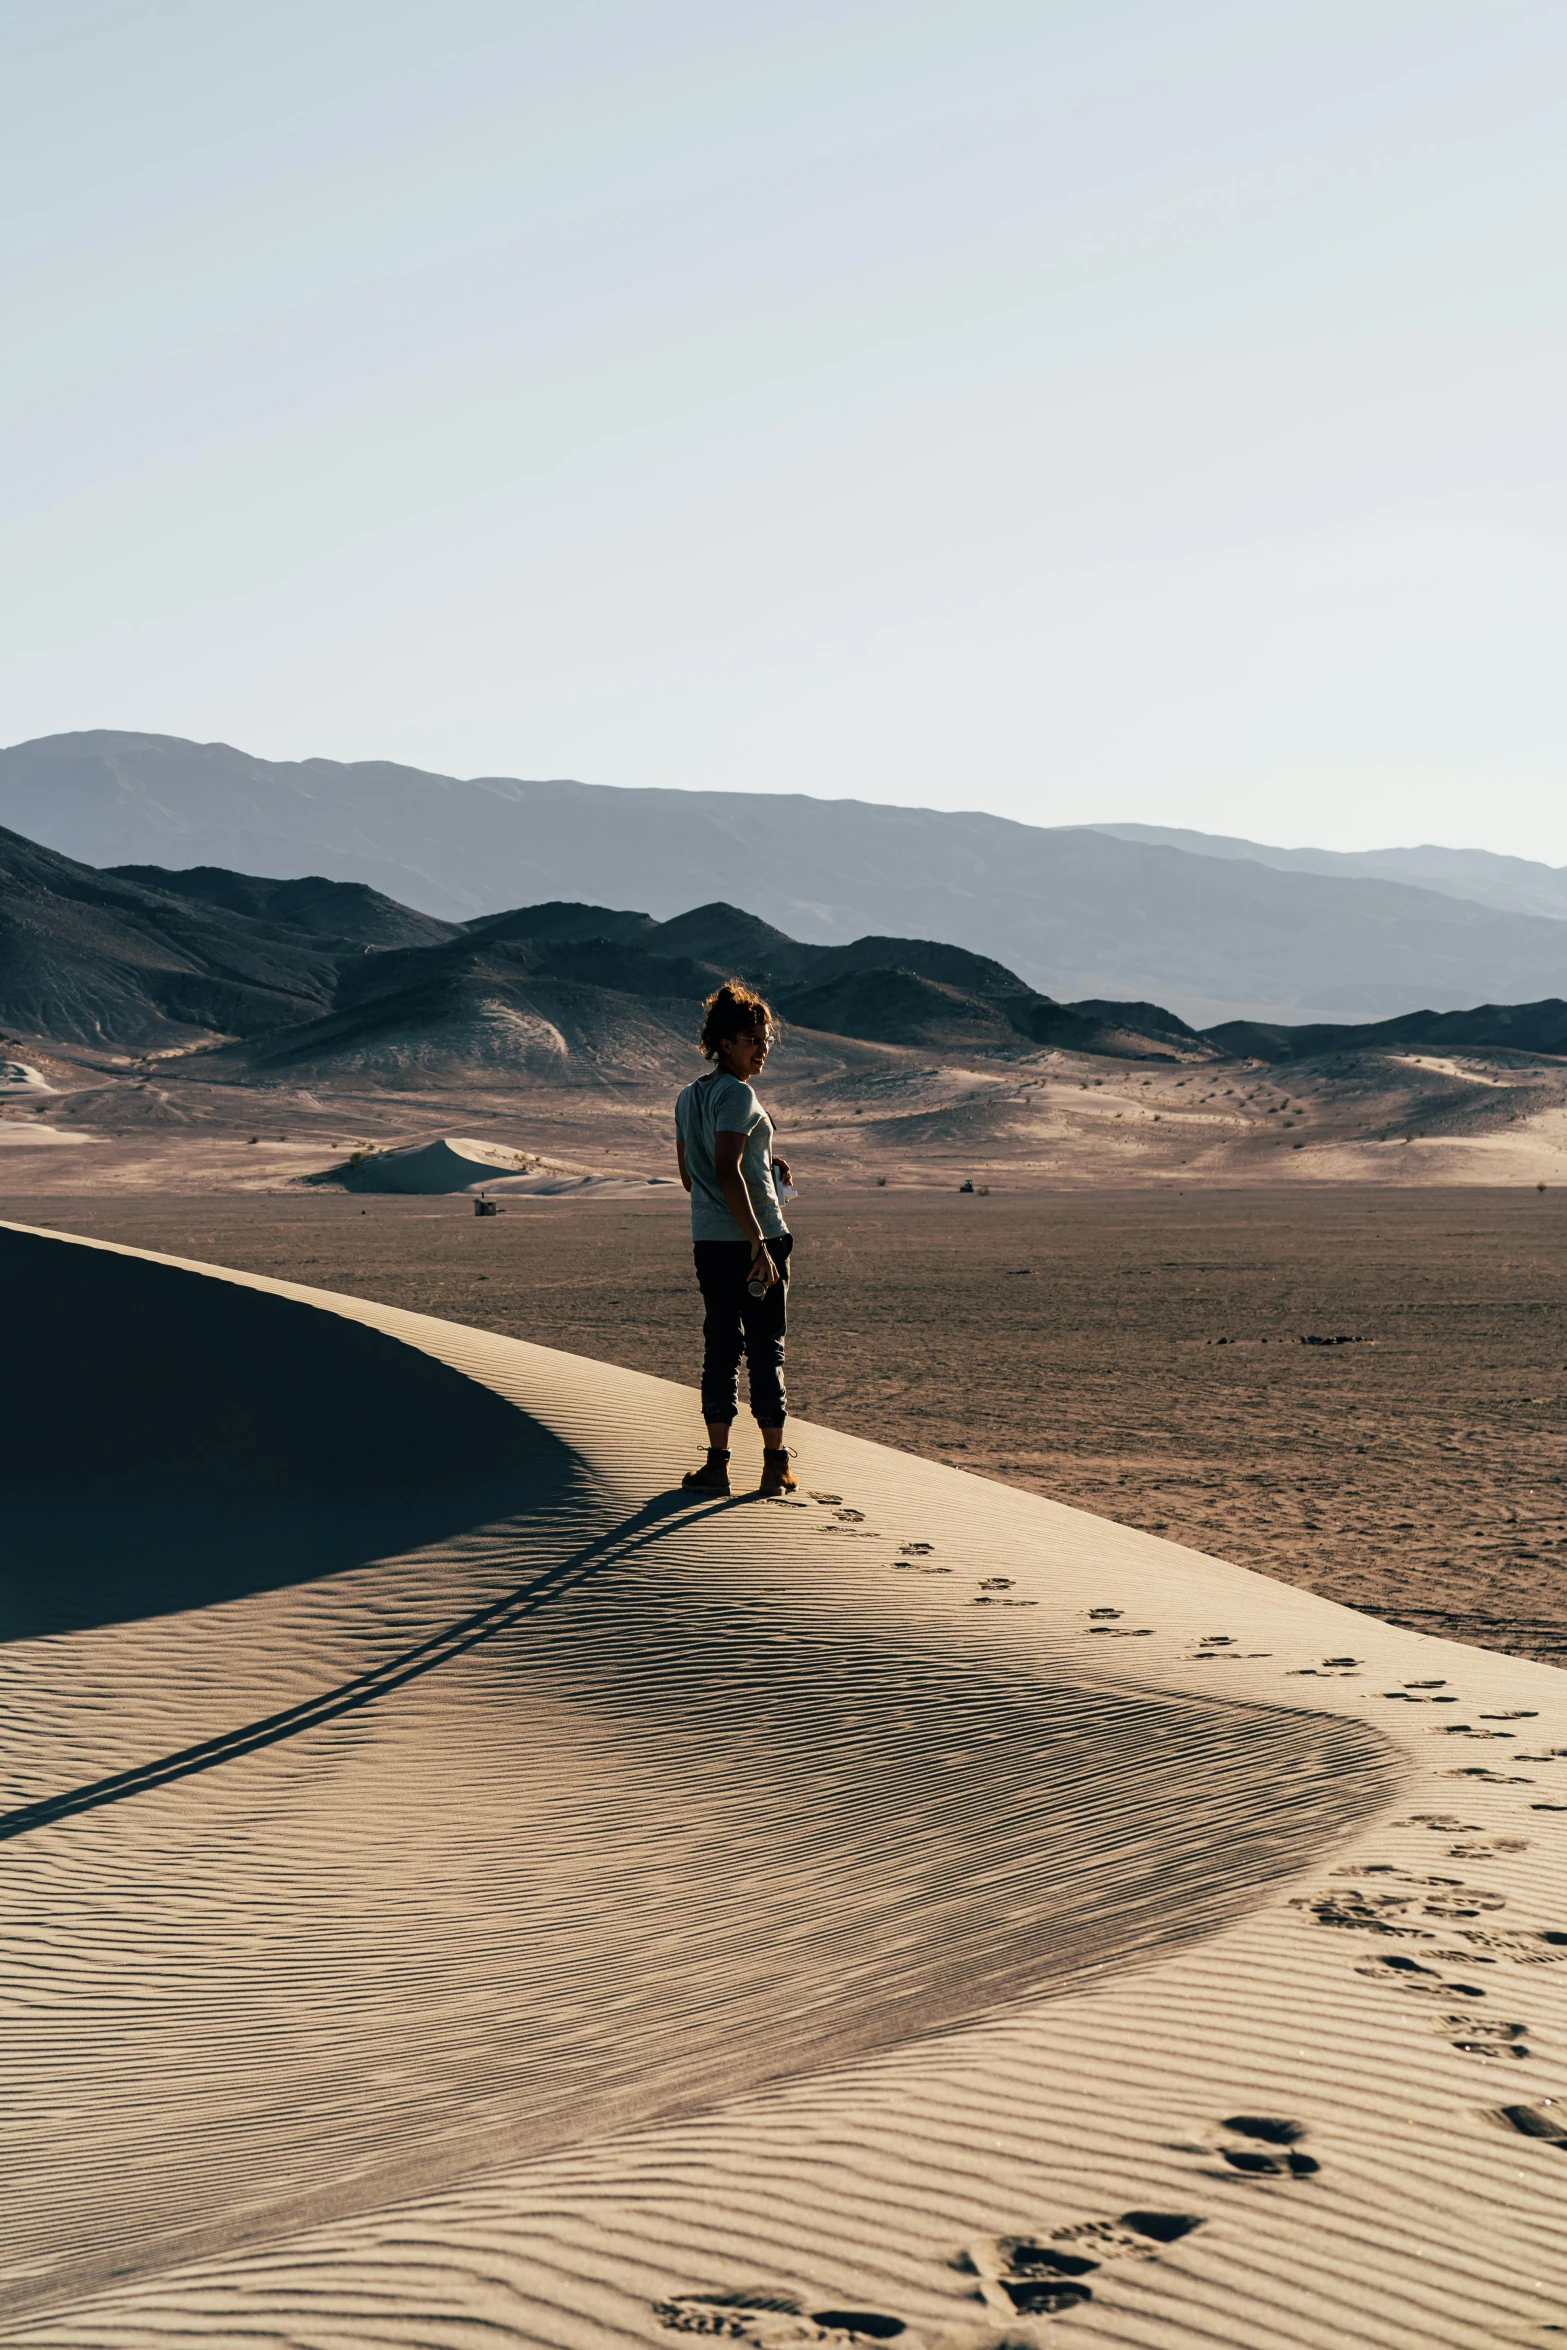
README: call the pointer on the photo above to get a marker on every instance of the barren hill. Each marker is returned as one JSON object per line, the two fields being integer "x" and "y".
{"x": 96, "y": 958}
{"x": 338, "y": 913}
{"x": 573, "y": 993}
{"x": 329, "y": 978}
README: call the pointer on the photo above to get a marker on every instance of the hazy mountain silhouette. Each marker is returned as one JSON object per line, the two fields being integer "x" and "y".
{"x": 1513, "y": 885}
{"x": 1075, "y": 911}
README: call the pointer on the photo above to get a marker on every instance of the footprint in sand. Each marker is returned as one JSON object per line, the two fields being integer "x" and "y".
{"x": 1479, "y": 2036}
{"x": 737, "y": 2316}
{"x": 1546, "y": 1947}
{"x": 1407, "y": 1974}
{"x": 829, "y": 1501}
{"x": 1546, "y": 2123}
{"x": 1363, "y": 1913}
{"x": 1388, "y": 1911}
{"x": 1110, "y": 1623}
{"x": 1439, "y": 1897}
{"x": 1046, "y": 2274}
{"x": 915, "y": 1550}
{"x": 1331, "y": 1667}
{"x": 850, "y": 1517}
{"x": 1270, "y": 2148}
{"x": 1493, "y": 1778}
{"x": 765, "y": 2317}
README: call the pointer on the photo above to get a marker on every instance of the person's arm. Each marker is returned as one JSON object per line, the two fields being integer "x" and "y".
{"x": 726, "y": 1165}
{"x": 680, "y": 1162}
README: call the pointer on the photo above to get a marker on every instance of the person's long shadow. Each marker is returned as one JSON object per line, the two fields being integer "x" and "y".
{"x": 611, "y": 1549}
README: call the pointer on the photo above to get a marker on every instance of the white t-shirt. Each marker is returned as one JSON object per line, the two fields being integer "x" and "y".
{"x": 721, "y": 1104}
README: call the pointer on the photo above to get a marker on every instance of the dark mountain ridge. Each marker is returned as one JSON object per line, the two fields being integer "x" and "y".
{"x": 574, "y": 988}
{"x": 337, "y": 913}
{"x": 1518, "y": 1028}
{"x": 310, "y": 973}
{"x": 97, "y": 959}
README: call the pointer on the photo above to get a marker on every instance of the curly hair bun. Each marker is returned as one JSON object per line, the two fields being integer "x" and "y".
{"x": 730, "y": 1011}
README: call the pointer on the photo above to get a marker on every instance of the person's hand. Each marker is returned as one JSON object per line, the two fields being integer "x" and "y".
{"x": 762, "y": 1266}
{"x": 781, "y": 1169}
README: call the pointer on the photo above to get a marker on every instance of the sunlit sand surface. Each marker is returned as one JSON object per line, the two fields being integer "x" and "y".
{"x": 457, "y": 1889}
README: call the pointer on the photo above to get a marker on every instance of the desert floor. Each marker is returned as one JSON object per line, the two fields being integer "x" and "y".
{"x": 1138, "y": 1353}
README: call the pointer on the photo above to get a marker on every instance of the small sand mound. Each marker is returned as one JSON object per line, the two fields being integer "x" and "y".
{"x": 17, "y": 1135}
{"x": 18, "y": 1080}
{"x": 455, "y": 1162}
{"x": 452, "y": 1162}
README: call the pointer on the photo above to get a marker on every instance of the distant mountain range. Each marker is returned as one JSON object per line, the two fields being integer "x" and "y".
{"x": 1513, "y": 885}
{"x": 329, "y": 980}
{"x": 1214, "y": 928}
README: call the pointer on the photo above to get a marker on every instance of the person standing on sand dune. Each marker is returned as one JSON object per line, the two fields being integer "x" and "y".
{"x": 724, "y": 1149}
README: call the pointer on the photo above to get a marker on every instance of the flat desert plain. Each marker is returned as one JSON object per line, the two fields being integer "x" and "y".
{"x": 1150, "y": 1355}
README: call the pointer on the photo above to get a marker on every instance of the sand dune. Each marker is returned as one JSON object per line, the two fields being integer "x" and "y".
{"x": 457, "y": 1889}
{"x": 451, "y": 1162}
{"x": 454, "y": 1163}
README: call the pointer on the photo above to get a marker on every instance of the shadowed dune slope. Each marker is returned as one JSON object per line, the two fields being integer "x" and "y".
{"x": 171, "y": 1441}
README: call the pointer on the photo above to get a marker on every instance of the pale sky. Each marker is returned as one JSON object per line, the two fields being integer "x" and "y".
{"x": 1078, "y": 409}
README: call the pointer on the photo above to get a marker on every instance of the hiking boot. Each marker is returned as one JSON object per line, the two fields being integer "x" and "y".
{"x": 712, "y": 1476}
{"x": 777, "y": 1475}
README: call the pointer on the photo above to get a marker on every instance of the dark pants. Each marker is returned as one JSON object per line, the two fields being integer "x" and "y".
{"x": 737, "y": 1322}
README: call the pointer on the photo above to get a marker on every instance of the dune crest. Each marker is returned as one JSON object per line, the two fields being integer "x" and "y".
{"x": 545, "y": 1908}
